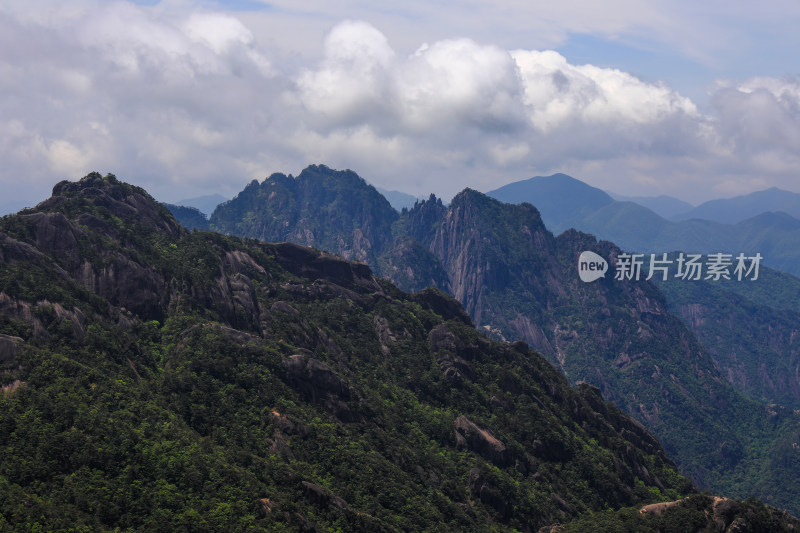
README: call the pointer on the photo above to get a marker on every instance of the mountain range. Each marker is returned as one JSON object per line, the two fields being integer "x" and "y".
{"x": 739, "y": 208}
{"x": 570, "y": 203}
{"x": 665, "y": 206}
{"x": 156, "y": 379}
{"x": 723, "y": 210}
{"x": 518, "y": 282}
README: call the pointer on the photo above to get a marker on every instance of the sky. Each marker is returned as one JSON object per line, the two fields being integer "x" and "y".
{"x": 697, "y": 100}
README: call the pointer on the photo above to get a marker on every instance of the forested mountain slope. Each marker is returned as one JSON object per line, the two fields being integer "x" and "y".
{"x": 159, "y": 380}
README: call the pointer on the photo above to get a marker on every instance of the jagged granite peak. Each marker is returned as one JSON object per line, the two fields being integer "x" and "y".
{"x": 277, "y": 387}
{"x": 420, "y": 220}
{"x": 475, "y": 238}
{"x": 332, "y": 210}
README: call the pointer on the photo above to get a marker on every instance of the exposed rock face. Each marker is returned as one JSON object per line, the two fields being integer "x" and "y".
{"x": 44, "y": 315}
{"x": 517, "y": 281}
{"x": 319, "y": 383}
{"x": 725, "y": 515}
{"x": 303, "y": 261}
{"x": 111, "y": 273}
{"x": 486, "y": 492}
{"x": 412, "y": 266}
{"x": 327, "y": 209}
{"x": 128, "y": 284}
{"x": 472, "y": 240}
{"x": 453, "y": 353}
{"x": 23, "y": 311}
{"x": 508, "y": 269}
{"x": 288, "y": 336}
{"x": 386, "y": 335}
{"x": 472, "y": 437}
{"x": 14, "y": 250}
{"x": 322, "y": 496}
{"x": 55, "y": 234}
{"x": 443, "y": 304}
{"x": 8, "y": 349}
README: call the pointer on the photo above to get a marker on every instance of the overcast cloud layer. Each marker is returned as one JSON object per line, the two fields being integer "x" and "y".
{"x": 185, "y": 100}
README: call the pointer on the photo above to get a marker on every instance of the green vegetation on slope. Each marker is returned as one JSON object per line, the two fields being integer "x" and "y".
{"x": 190, "y": 381}
{"x": 518, "y": 281}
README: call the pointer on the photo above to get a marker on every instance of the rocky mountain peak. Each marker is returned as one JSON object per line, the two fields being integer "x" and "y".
{"x": 328, "y": 209}
{"x": 105, "y": 201}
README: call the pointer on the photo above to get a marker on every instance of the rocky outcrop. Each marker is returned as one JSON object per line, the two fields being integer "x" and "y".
{"x": 9, "y": 346}
{"x": 23, "y": 311}
{"x": 129, "y": 203}
{"x": 443, "y": 304}
{"x": 127, "y": 283}
{"x": 724, "y": 515}
{"x": 312, "y": 378}
{"x": 57, "y": 236}
{"x": 12, "y": 250}
{"x": 386, "y": 335}
{"x": 412, "y": 267}
{"x": 322, "y": 496}
{"x": 319, "y": 383}
{"x": 470, "y": 436}
{"x": 484, "y": 490}
{"x": 312, "y": 264}
{"x": 44, "y": 315}
{"x": 443, "y": 339}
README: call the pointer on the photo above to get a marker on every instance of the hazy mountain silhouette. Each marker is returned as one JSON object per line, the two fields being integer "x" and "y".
{"x": 663, "y": 205}
{"x": 739, "y": 208}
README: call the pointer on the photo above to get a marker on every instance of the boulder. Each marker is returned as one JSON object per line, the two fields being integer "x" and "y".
{"x": 472, "y": 437}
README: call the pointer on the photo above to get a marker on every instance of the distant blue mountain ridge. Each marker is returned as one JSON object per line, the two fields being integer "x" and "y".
{"x": 767, "y": 222}
{"x": 397, "y": 199}
{"x": 663, "y": 205}
{"x": 739, "y": 208}
{"x": 205, "y": 204}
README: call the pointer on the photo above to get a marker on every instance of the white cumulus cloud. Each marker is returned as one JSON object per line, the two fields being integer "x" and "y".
{"x": 186, "y": 101}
